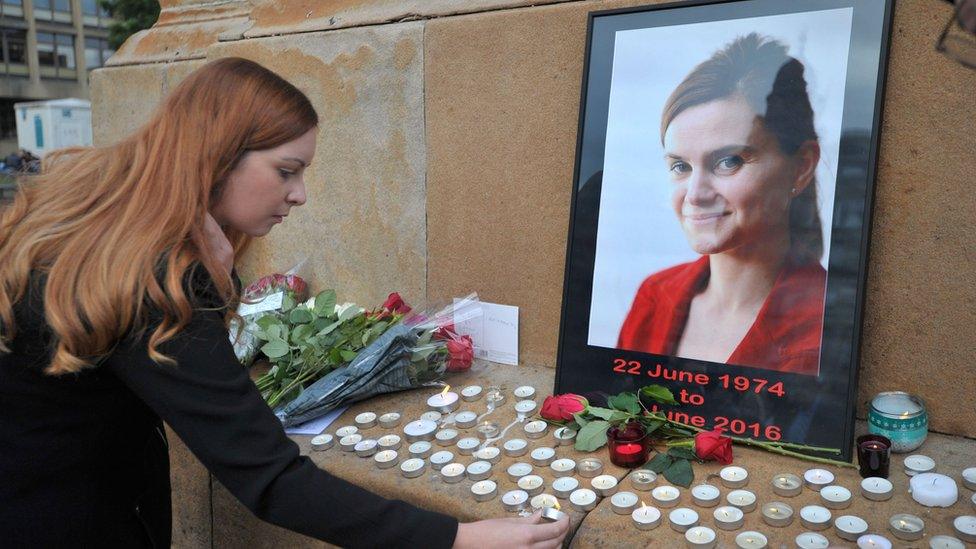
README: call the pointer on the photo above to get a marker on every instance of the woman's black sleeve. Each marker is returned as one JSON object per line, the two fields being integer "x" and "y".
{"x": 211, "y": 403}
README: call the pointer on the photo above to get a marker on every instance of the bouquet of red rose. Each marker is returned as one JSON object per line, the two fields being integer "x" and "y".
{"x": 268, "y": 296}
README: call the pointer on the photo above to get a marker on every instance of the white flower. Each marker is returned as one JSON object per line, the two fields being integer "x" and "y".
{"x": 310, "y": 303}
{"x": 339, "y": 309}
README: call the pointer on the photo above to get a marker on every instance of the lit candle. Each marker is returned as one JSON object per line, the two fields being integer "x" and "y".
{"x": 420, "y": 449}
{"x": 646, "y": 518}
{"x": 743, "y": 499}
{"x": 946, "y": 542}
{"x": 876, "y": 488}
{"x": 906, "y": 527}
{"x": 873, "y": 541}
{"x": 815, "y": 517}
{"x": 444, "y": 402}
{"x": 471, "y": 393}
{"x": 850, "y": 527}
{"x": 452, "y": 473}
{"x": 535, "y": 429}
{"x": 348, "y": 443}
{"x": 562, "y": 466}
{"x": 484, "y": 490}
{"x": 446, "y": 437}
{"x": 386, "y": 459}
{"x": 552, "y": 513}
{"x": 413, "y": 467}
{"x": 525, "y": 392}
{"x": 728, "y": 517}
{"x": 965, "y": 527}
{"x": 365, "y": 448}
{"x": 346, "y": 431}
{"x": 516, "y": 447}
{"x": 705, "y": 495}
{"x": 487, "y": 430}
{"x": 682, "y": 518}
{"x": 969, "y": 478}
{"x": 390, "y": 420}
{"x": 816, "y": 479}
{"x": 564, "y": 486}
{"x": 604, "y": 485}
{"x": 751, "y": 540}
{"x": 583, "y": 499}
{"x": 666, "y": 496}
{"x": 542, "y": 501}
{"x": 532, "y": 484}
{"x": 465, "y": 419}
{"x": 525, "y": 407}
{"x": 777, "y": 514}
{"x": 589, "y": 467}
{"x": 490, "y": 454}
{"x": 467, "y": 445}
{"x": 918, "y": 463}
{"x": 366, "y": 420}
{"x": 518, "y": 470}
{"x": 700, "y": 537}
{"x": 515, "y": 500}
{"x": 643, "y": 479}
{"x": 479, "y": 470}
{"x": 623, "y": 503}
{"x": 543, "y": 456}
{"x": 835, "y": 497}
{"x": 322, "y": 442}
{"x": 734, "y": 477}
{"x": 440, "y": 459}
{"x": 565, "y": 436}
{"x": 422, "y": 429}
{"x": 787, "y": 485}
{"x": 494, "y": 396}
{"x": 812, "y": 540}
{"x": 933, "y": 490}
{"x": 431, "y": 415}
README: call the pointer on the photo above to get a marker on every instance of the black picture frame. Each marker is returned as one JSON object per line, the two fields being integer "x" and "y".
{"x": 817, "y": 410}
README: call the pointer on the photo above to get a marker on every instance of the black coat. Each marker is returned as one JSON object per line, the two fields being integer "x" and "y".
{"x": 84, "y": 461}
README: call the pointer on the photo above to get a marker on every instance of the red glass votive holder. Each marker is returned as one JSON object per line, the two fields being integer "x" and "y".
{"x": 629, "y": 445}
{"x": 873, "y": 455}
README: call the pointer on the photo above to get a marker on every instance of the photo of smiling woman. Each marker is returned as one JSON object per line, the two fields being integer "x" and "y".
{"x": 741, "y": 150}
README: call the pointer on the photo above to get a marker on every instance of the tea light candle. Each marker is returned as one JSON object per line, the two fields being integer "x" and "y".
{"x": 623, "y": 503}
{"x": 906, "y": 527}
{"x": 933, "y": 490}
{"x": 743, "y": 499}
{"x": 420, "y": 449}
{"x": 322, "y": 442}
{"x": 700, "y": 537}
{"x": 444, "y": 402}
{"x": 413, "y": 467}
{"x": 542, "y": 501}
{"x": 525, "y": 392}
{"x": 487, "y": 430}
{"x": 342, "y": 432}
{"x": 489, "y": 454}
{"x": 484, "y": 490}
{"x": 734, "y": 476}
{"x": 583, "y": 499}
{"x": 666, "y": 496}
{"x": 835, "y": 497}
{"x": 494, "y": 396}
{"x": 563, "y": 466}
{"x": 514, "y": 500}
{"x": 431, "y": 416}
{"x": 390, "y": 420}
{"x": 564, "y": 486}
{"x": 535, "y": 429}
{"x": 518, "y": 470}
{"x": 876, "y": 488}
{"x": 389, "y": 442}
{"x": 728, "y": 517}
{"x": 777, "y": 514}
{"x": 969, "y": 478}
{"x": 643, "y": 479}
{"x": 816, "y": 479}
{"x": 516, "y": 447}
{"x": 471, "y": 393}
{"x": 479, "y": 470}
{"x": 452, "y": 473}
{"x": 386, "y": 459}
{"x": 446, "y": 437}
{"x": 365, "y": 448}
{"x": 604, "y": 485}
{"x": 543, "y": 456}
{"x": 705, "y": 495}
{"x": 525, "y": 407}
{"x": 646, "y": 518}
{"x": 945, "y": 542}
{"x": 965, "y": 527}
{"x": 422, "y": 429}
{"x": 787, "y": 485}
{"x": 467, "y": 445}
{"x": 850, "y": 527}
{"x": 918, "y": 463}
{"x": 873, "y": 541}
{"x": 366, "y": 420}
{"x": 682, "y": 518}
{"x": 812, "y": 540}
{"x": 532, "y": 484}
{"x": 564, "y": 436}
{"x": 465, "y": 419}
{"x": 440, "y": 459}
{"x": 815, "y": 517}
{"x": 751, "y": 540}
{"x": 553, "y": 514}
{"x": 348, "y": 443}
{"x": 589, "y": 467}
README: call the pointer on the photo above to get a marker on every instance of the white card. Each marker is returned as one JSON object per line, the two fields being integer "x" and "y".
{"x": 494, "y": 333}
{"x": 269, "y": 303}
{"x": 316, "y": 426}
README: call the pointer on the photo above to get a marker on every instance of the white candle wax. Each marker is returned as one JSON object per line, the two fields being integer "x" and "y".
{"x": 535, "y": 429}
{"x": 543, "y": 456}
{"x": 835, "y": 497}
{"x": 812, "y": 540}
{"x": 346, "y": 431}
{"x": 818, "y": 478}
{"x": 479, "y": 470}
{"x": 562, "y": 466}
{"x": 583, "y": 499}
{"x": 489, "y": 454}
{"x": 682, "y": 519}
{"x": 751, "y": 540}
{"x": 532, "y": 484}
{"x": 484, "y": 490}
{"x": 705, "y": 495}
{"x": 471, "y": 393}
{"x": 440, "y": 459}
{"x": 918, "y": 463}
{"x": 446, "y": 437}
{"x": 564, "y": 486}
{"x": 734, "y": 476}
{"x": 873, "y": 541}
{"x": 946, "y": 542}
{"x": 487, "y": 430}
{"x": 589, "y": 467}
{"x": 465, "y": 419}
{"x": 787, "y": 485}
{"x": 876, "y": 488}
{"x": 777, "y": 514}
{"x": 452, "y": 472}
{"x": 525, "y": 392}
{"x": 604, "y": 485}
{"x": 518, "y": 470}
{"x": 348, "y": 443}
{"x": 623, "y": 503}
{"x": 701, "y": 537}
{"x": 728, "y": 517}
{"x": 514, "y": 500}
{"x": 467, "y": 445}
{"x": 544, "y": 500}
{"x": 413, "y": 467}
{"x": 906, "y": 527}
{"x": 386, "y": 459}
{"x": 850, "y": 527}
{"x": 431, "y": 415}
{"x": 666, "y": 496}
{"x": 933, "y": 490}
{"x": 366, "y": 420}
{"x": 322, "y": 442}
{"x": 420, "y": 449}
{"x": 969, "y": 478}
{"x": 965, "y": 527}
{"x": 365, "y": 448}
{"x": 743, "y": 499}
{"x": 443, "y": 402}
{"x": 525, "y": 407}
{"x": 815, "y": 517}
{"x": 389, "y": 420}
{"x": 515, "y": 447}
{"x": 646, "y": 518}
{"x": 422, "y": 429}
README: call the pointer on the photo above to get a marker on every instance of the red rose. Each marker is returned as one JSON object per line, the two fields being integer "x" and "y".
{"x": 562, "y": 407}
{"x": 712, "y": 445}
{"x": 446, "y": 332}
{"x": 394, "y": 303}
{"x": 460, "y": 354}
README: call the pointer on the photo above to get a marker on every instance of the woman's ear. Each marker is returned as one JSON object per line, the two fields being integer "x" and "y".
{"x": 806, "y": 158}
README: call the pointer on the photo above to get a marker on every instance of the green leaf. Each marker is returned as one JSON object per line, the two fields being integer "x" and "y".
{"x": 288, "y": 302}
{"x": 660, "y": 463}
{"x": 580, "y": 419}
{"x": 328, "y": 329}
{"x": 658, "y": 393}
{"x": 299, "y": 336}
{"x": 274, "y": 332}
{"x": 325, "y": 303}
{"x": 592, "y": 436}
{"x": 300, "y": 315}
{"x": 350, "y": 312}
{"x": 268, "y": 321}
{"x": 321, "y": 323}
{"x": 348, "y": 355}
{"x": 275, "y": 348}
{"x": 652, "y": 425}
{"x": 625, "y": 402}
{"x": 680, "y": 473}
{"x": 602, "y": 413}
{"x": 682, "y": 452}
{"x": 621, "y": 417}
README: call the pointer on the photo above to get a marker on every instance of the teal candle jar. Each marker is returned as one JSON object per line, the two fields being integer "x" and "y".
{"x": 901, "y": 417}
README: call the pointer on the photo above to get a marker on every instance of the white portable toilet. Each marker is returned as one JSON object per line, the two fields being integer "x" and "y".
{"x": 43, "y": 126}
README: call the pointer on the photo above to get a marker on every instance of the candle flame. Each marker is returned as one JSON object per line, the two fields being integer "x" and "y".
{"x": 643, "y": 505}
{"x": 446, "y": 389}
{"x": 557, "y": 505}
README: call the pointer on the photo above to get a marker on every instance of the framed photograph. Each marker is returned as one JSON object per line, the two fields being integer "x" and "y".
{"x": 721, "y": 206}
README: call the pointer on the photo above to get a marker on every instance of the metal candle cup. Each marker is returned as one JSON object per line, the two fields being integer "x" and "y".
{"x": 850, "y": 527}
{"x": 835, "y": 497}
{"x": 487, "y": 430}
{"x": 665, "y": 496}
{"x": 390, "y": 420}
{"x": 467, "y": 445}
{"x": 965, "y": 527}
{"x": 479, "y": 470}
{"x": 743, "y": 499}
{"x": 413, "y": 467}
{"x": 873, "y": 541}
{"x": 604, "y": 485}
{"x": 432, "y": 415}
{"x": 564, "y": 436}
{"x": 906, "y": 527}
{"x": 386, "y": 459}
{"x": 787, "y": 485}
{"x": 484, "y": 490}
{"x": 918, "y": 463}
{"x": 543, "y": 456}
{"x": 525, "y": 407}
{"x": 643, "y": 479}
{"x": 446, "y": 437}
{"x": 646, "y": 518}
{"x": 452, "y": 473}
{"x": 969, "y": 478}
{"x": 583, "y": 499}
{"x": 421, "y": 429}
{"x": 623, "y": 503}
{"x": 815, "y": 479}
{"x": 705, "y": 495}
{"x": 682, "y": 519}
{"x": 444, "y": 402}
{"x": 514, "y": 500}
{"x": 563, "y": 466}
{"x": 365, "y": 448}
{"x": 751, "y": 540}
{"x": 734, "y": 476}
{"x": 346, "y": 431}
{"x": 815, "y": 517}
{"x": 389, "y": 442}
{"x": 589, "y": 467}
{"x": 490, "y": 454}
{"x": 535, "y": 429}
{"x": 420, "y": 449}
{"x": 777, "y": 514}
{"x": 440, "y": 459}
{"x": 348, "y": 443}
{"x": 471, "y": 393}
{"x": 946, "y": 542}
{"x": 525, "y": 392}
{"x": 322, "y": 442}
{"x": 366, "y": 420}
{"x": 562, "y": 487}
{"x": 876, "y": 488}
{"x": 552, "y": 514}
{"x": 728, "y": 517}
{"x": 518, "y": 470}
{"x": 542, "y": 501}
{"x": 700, "y": 537}
{"x": 532, "y": 484}
{"x": 465, "y": 419}
{"x": 812, "y": 540}
{"x": 515, "y": 447}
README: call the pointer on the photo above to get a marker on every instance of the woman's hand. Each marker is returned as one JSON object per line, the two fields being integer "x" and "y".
{"x": 220, "y": 247}
{"x": 512, "y": 532}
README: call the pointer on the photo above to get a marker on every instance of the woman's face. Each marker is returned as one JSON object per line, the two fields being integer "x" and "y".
{"x": 732, "y": 185}
{"x": 265, "y": 185}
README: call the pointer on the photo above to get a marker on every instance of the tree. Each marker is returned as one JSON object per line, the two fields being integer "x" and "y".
{"x": 130, "y": 17}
